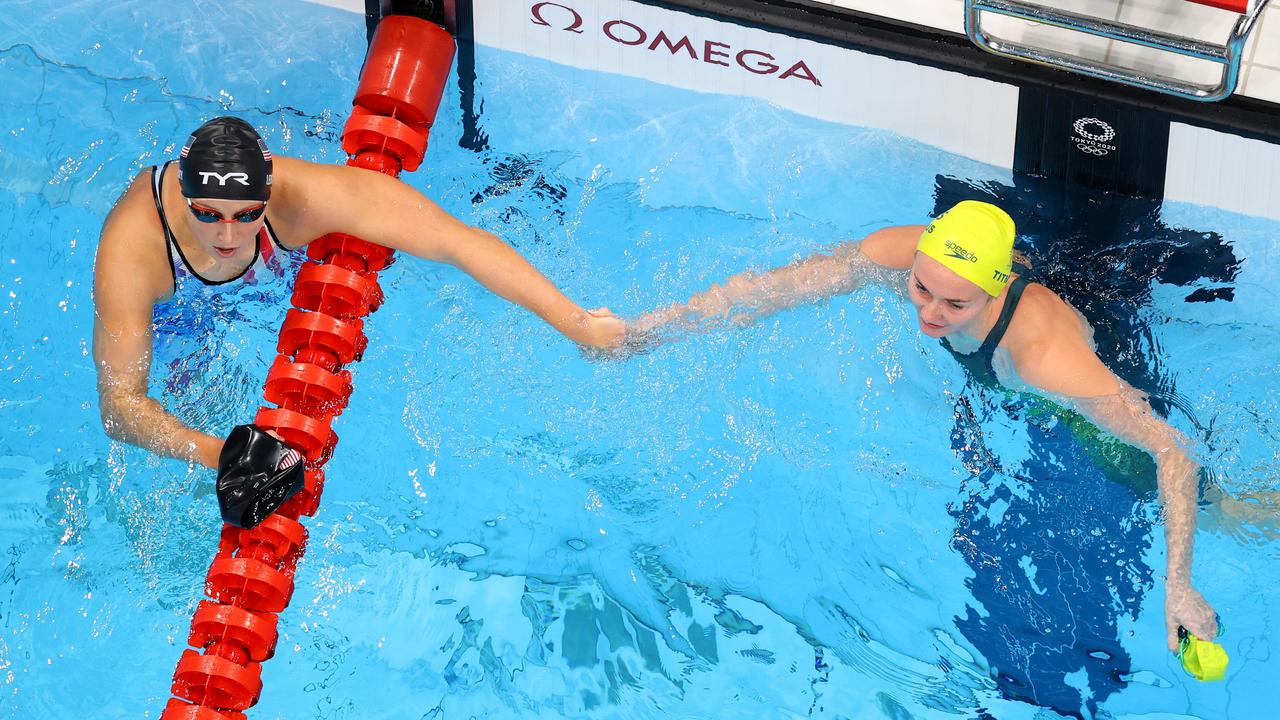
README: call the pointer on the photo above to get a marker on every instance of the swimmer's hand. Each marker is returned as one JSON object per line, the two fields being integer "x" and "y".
{"x": 600, "y": 329}
{"x": 1185, "y": 606}
{"x": 703, "y": 312}
{"x": 733, "y": 302}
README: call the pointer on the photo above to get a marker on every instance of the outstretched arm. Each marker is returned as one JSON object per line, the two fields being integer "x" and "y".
{"x": 749, "y": 296}
{"x": 372, "y": 206}
{"x": 1067, "y": 366}
{"x": 123, "y": 296}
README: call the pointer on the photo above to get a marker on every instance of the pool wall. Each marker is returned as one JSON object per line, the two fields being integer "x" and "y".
{"x": 855, "y": 69}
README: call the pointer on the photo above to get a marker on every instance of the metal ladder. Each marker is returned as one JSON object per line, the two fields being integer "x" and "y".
{"x": 1228, "y": 54}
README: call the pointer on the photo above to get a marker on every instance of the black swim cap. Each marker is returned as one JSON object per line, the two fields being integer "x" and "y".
{"x": 256, "y": 474}
{"x": 226, "y": 159}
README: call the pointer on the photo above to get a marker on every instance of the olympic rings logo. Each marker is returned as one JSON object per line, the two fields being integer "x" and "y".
{"x": 1092, "y": 149}
{"x": 1105, "y": 132}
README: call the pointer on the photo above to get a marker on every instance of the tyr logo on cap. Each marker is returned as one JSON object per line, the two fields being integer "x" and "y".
{"x": 242, "y": 178}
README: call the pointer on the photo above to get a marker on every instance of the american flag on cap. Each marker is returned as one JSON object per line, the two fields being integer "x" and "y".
{"x": 266, "y": 154}
{"x": 290, "y": 458}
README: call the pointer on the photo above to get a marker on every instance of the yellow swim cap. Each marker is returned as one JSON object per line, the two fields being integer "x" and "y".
{"x": 974, "y": 240}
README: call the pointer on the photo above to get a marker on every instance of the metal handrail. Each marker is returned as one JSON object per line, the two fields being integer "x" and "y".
{"x": 1227, "y": 54}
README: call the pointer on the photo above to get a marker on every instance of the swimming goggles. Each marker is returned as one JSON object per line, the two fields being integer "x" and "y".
{"x": 209, "y": 215}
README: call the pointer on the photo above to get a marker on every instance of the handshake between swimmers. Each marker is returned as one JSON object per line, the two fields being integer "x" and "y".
{"x": 189, "y": 229}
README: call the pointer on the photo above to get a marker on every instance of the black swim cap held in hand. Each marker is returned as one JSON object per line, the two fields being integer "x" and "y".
{"x": 226, "y": 159}
{"x": 256, "y": 474}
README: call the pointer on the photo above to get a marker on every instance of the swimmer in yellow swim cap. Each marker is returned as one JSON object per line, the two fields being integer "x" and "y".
{"x": 975, "y": 241}
{"x": 959, "y": 273}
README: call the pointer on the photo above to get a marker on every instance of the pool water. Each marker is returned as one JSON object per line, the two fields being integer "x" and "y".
{"x": 817, "y": 515}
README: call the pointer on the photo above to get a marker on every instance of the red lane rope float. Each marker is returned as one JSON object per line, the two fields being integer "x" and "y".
{"x": 250, "y": 580}
{"x": 1238, "y": 6}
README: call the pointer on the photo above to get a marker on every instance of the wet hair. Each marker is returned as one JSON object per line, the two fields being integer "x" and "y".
{"x": 226, "y": 159}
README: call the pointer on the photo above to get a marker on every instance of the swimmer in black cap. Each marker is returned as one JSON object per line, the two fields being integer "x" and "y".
{"x": 225, "y": 218}
{"x": 226, "y": 159}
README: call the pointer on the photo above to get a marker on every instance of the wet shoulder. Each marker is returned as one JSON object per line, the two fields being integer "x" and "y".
{"x": 1042, "y": 319}
{"x": 293, "y": 200}
{"x": 1051, "y": 348}
{"x": 893, "y": 247}
{"x": 133, "y": 245}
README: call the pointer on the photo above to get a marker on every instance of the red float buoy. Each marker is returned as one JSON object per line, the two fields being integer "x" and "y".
{"x": 406, "y": 70}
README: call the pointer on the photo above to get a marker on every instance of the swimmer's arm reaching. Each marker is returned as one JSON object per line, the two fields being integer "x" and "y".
{"x": 123, "y": 295}
{"x": 749, "y": 296}
{"x": 1064, "y": 365}
{"x": 375, "y": 207}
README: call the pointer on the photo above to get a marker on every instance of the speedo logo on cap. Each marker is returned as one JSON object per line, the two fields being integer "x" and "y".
{"x": 960, "y": 253}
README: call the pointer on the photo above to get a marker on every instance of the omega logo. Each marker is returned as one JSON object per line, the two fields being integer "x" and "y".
{"x": 625, "y": 32}
{"x": 575, "y": 26}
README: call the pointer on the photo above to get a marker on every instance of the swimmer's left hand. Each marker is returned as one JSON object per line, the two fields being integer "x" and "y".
{"x": 1185, "y": 606}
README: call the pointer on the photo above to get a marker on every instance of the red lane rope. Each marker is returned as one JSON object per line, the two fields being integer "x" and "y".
{"x": 1238, "y": 6}
{"x": 250, "y": 580}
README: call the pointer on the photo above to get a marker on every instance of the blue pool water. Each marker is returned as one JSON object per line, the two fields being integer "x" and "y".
{"x": 817, "y": 515}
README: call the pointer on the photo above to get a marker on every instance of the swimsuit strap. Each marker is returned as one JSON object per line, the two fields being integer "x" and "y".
{"x": 170, "y": 242}
{"x": 271, "y": 233}
{"x": 998, "y": 330}
{"x": 980, "y": 363}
